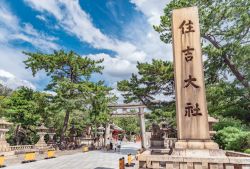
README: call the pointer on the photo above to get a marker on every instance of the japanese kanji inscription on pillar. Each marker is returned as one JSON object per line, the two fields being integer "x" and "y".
{"x": 192, "y": 117}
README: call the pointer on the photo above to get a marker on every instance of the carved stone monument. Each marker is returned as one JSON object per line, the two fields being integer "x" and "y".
{"x": 191, "y": 106}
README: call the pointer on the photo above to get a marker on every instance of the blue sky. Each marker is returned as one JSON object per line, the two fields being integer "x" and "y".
{"x": 119, "y": 31}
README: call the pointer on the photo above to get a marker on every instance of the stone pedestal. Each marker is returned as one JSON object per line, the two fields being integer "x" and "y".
{"x": 41, "y": 143}
{"x": 4, "y": 146}
{"x": 51, "y": 138}
{"x": 157, "y": 143}
{"x": 196, "y": 144}
{"x": 42, "y": 131}
{"x": 205, "y": 153}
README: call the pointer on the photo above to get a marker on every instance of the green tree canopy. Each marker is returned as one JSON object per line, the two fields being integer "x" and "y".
{"x": 225, "y": 35}
{"x": 154, "y": 80}
{"x": 70, "y": 79}
{"x": 26, "y": 108}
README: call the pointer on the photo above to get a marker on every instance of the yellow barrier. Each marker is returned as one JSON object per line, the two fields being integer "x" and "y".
{"x": 121, "y": 163}
{"x": 129, "y": 159}
{"x": 85, "y": 149}
{"x": 51, "y": 154}
{"x": 130, "y": 164}
{"x": 2, "y": 159}
{"x": 29, "y": 157}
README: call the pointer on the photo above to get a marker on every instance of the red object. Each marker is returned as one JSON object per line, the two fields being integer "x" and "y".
{"x": 115, "y": 133}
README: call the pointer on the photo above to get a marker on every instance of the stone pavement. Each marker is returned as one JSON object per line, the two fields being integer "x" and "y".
{"x": 79, "y": 160}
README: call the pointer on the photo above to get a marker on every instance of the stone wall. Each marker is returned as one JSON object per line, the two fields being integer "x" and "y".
{"x": 172, "y": 162}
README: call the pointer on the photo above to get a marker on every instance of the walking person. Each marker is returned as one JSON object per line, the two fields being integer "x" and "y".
{"x": 119, "y": 144}
{"x": 111, "y": 144}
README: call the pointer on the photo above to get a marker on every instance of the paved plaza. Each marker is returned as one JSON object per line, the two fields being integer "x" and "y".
{"x": 79, "y": 160}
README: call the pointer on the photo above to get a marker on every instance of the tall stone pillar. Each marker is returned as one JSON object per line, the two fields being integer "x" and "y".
{"x": 191, "y": 105}
{"x": 142, "y": 126}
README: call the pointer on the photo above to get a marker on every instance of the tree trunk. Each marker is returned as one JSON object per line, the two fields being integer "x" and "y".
{"x": 17, "y": 138}
{"x": 107, "y": 133}
{"x": 65, "y": 125}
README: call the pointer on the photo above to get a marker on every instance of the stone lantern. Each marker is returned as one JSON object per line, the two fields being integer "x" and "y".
{"x": 211, "y": 122}
{"x": 4, "y": 127}
{"x": 51, "y": 134}
{"x": 42, "y": 131}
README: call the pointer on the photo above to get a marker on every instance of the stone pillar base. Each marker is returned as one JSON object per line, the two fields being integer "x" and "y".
{"x": 196, "y": 144}
{"x": 206, "y": 153}
{"x": 197, "y": 148}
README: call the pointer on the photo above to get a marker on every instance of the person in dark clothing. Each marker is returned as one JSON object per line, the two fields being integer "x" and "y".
{"x": 111, "y": 144}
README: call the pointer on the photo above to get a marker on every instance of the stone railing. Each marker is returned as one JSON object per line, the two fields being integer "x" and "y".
{"x": 22, "y": 147}
{"x": 237, "y": 154}
{"x": 174, "y": 162}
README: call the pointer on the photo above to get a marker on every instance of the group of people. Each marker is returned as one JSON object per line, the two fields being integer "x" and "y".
{"x": 113, "y": 144}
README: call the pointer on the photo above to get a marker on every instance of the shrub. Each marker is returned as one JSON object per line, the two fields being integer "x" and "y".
{"x": 247, "y": 151}
{"x": 228, "y": 122}
{"x": 232, "y": 138}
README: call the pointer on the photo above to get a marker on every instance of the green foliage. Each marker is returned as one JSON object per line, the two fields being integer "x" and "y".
{"x": 225, "y": 35}
{"x": 26, "y": 109}
{"x": 22, "y": 107}
{"x": 129, "y": 124}
{"x": 153, "y": 80}
{"x": 4, "y": 93}
{"x": 70, "y": 79}
{"x": 228, "y": 100}
{"x": 231, "y": 138}
{"x": 229, "y": 122}
{"x": 247, "y": 151}
{"x": 100, "y": 98}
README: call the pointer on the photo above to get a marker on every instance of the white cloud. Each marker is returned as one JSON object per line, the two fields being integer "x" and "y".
{"x": 11, "y": 81}
{"x": 50, "y": 92}
{"x": 41, "y": 17}
{"x": 5, "y": 74}
{"x": 11, "y": 30}
{"x": 144, "y": 43}
{"x": 117, "y": 93}
{"x": 77, "y": 22}
{"x": 7, "y": 19}
{"x": 147, "y": 39}
{"x": 151, "y": 9}
{"x": 115, "y": 68}
{"x": 13, "y": 72}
